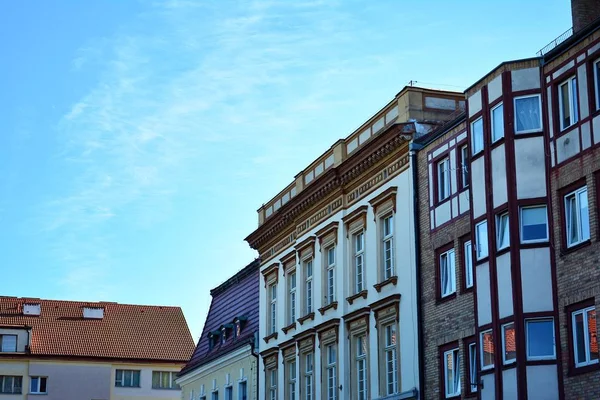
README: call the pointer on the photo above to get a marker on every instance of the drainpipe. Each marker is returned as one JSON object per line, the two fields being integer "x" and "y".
{"x": 413, "y": 149}
{"x": 253, "y": 346}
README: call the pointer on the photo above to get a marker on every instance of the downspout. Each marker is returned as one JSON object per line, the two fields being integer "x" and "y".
{"x": 253, "y": 344}
{"x": 413, "y": 149}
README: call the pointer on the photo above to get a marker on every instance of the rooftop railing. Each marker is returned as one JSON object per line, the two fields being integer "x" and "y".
{"x": 553, "y": 44}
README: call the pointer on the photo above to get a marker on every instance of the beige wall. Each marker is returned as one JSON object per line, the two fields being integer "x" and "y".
{"x": 240, "y": 368}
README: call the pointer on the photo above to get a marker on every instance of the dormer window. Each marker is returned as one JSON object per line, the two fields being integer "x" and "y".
{"x": 223, "y": 335}
{"x": 93, "y": 312}
{"x": 31, "y": 309}
{"x": 8, "y": 343}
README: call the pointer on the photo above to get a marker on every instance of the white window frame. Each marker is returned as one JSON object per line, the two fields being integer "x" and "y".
{"x": 597, "y": 83}
{"x": 273, "y": 308}
{"x": 502, "y": 231}
{"x": 482, "y": 353}
{"x": 521, "y": 225}
{"x": 308, "y": 270}
{"x": 473, "y": 367}
{"x": 454, "y": 353}
{"x": 330, "y": 275}
{"x": 535, "y": 358}
{"x": 464, "y": 171}
{"x": 573, "y": 104}
{"x": 273, "y": 384}
{"x": 362, "y": 373}
{"x": 122, "y": 380}
{"x": 292, "y": 379}
{"x": 387, "y": 243}
{"x": 308, "y": 376}
{"x": 539, "y": 98}
{"x": 292, "y": 296}
{"x": 480, "y": 252}
{"x": 358, "y": 260}
{"x": 37, "y": 380}
{"x": 448, "y": 267}
{"x": 443, "y": 179}
{"x": 581, "y": 238}
{"x": 331, "y": 371}
{"x": 584, "y": 313}
{"x": 468, "y": 254}
{"x": 390, "y": 355}
{"x": 506, "y": 361}
{"x": 495, "y": 138}
{"x": 475, "y": 150}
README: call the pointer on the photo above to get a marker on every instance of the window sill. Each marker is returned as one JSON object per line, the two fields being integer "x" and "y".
{"x": 444, "y": 299}
{"x": 159, "y": 388}
{"x": 503, "y": 250}
{"x": 362, "y": 293}
{"x": 393, "y": 280}
{"x": 568, "y": 250}
{"x": 332, "y": 305}
{"x": 288, "y": 328}
{"x": 308, "y": 316}
{"x": 271, "y": 336}
{"x": 467, "y": 289}
{"x": 438, "y": 203}
{"x": 574, "y": 371}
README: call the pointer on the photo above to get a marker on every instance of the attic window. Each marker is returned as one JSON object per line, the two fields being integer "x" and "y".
{"x": 32, "y": 309}
{"x": 239, "y": 323}
{"x": 223, "y": 335}
{"x": 93, "y": 313}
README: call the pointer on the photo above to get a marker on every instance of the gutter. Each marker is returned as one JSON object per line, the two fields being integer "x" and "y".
{"x": 255, "y": 354}
{"x": 413, "y": 149}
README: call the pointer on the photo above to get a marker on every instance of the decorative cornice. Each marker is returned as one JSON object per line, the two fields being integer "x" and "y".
{"x": 331, "y": 227}
{"x": 392, "y": 299}
{"x": 307, "y": 243}
{"x": 371, "y": 153}
{"x": 357, "y": 314}
{"x": 387, "y": 195}
{"x": 286, "y": 329}
{"x": 305, "y": 318}
{"x": 327, "y": 325}
{"x": 269, "y": 337}
{"x": 359, "y": 213}
{"x": 270, "y": 270}
{"x": 332, "y": 305}
{"x": 291, "y": 256}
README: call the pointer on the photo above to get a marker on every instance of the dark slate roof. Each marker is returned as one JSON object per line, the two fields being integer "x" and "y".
{"x": 235, "y": 298}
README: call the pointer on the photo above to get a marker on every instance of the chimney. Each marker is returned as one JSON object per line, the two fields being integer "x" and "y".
{"x": 584, "y": 12}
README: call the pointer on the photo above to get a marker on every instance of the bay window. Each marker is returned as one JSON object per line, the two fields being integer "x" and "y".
{"x": 577, "y": 217}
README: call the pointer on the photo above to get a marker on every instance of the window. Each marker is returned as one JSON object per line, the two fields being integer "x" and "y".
{"x": 330, "y": 276}
{"x": 361, "y": 367}
{"x": 597, "y": 83}
{"x": 37, "y": 385}
{"x": 534, "y": 224}
{"x": 585, "y": 337}
{"x": 443, "y": 179}
{"x": 388, "y": 246}
{"x": 358, "y": 247}
{"x": 292, "y": 380}
{"x": 527, "y": 114}
{"x": 291, "y": 297}
{"x": 502, "y": 232}
{"x": 577, "y": 217}
{"x": 447, "y": 273}
{"x": 487, "y": 349}
{"x": 223, "y": 335}
{"x": 273, "y": 308}
{"x": 464, "y": 166}
{"x": 242, "y": 391}
{"x": 9, "y": 343}
{"x": 308, "y": 286}
{"x": 391, "y": 363}
{"x": 215, "y": 395}
{"x": 468, "y": 257}
{"x": 473, "y": 367}
{"x": 331, "y": 369}
{"x": 272, "y": 384}
{"x": 127, "y": 378}
{"x": 477, "y": 136}
{"x": 540, "y": 339}
{"x": 308, "y": 376}
{"x": 11, "y": 384}
{"x": 509, "y": 347}
{"x": 164, "y": 380}
{"x": 481, "y": 240}
{"x": 567, "y": 103}
{"x": 228, "y": 393}
{"x": 497, "y": 122}
{"x": 451, "y": 373}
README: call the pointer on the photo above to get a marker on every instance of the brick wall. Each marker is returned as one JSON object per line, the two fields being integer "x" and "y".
{"x": 450, "y": 320}
{"x": 584, "y": 12}
{"x": 578, "y": 272}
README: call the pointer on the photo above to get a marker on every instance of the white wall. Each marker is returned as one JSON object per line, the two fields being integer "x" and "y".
{"x": 505, "y": 299}
{"x": 405, "y": 266}
{"x": 484, "y": 305}
{"x": 536, "y": 280}
{"x": 530, "y": 167}
{"x": 542, "y": 382}
{"x": 478, "y": 190}
{"x": 499, "y": 188}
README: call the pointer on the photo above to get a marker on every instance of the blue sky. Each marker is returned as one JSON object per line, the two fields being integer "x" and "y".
{"x": 138, "y": 138}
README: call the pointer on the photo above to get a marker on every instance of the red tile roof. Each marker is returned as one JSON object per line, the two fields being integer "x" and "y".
{"x": 132, "y": 332}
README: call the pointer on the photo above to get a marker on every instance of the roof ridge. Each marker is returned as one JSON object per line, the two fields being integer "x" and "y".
{"x": 84, "y": 302}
